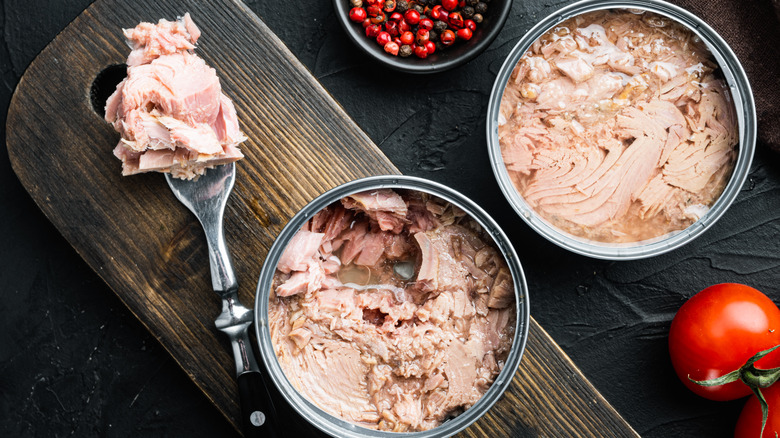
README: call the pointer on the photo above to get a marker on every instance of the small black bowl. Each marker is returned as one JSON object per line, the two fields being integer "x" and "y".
{"x": 453, "y": 56}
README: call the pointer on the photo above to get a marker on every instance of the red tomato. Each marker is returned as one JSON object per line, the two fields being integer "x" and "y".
{"x": 717, "y": 331}
{"x": 749, "y": 423}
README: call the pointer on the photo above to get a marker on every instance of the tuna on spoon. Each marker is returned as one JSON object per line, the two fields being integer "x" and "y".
{"x": 170, "y": 109}
{"x": 174, "y": 118}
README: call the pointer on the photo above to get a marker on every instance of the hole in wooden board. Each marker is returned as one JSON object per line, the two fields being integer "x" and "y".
{"x": 104, "y": 85}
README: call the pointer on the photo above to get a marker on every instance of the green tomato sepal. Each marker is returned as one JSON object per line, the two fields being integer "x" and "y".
{"x": 754, "y": 378}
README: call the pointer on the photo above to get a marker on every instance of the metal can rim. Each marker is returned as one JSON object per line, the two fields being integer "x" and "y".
{"x": 744, "y": 104}
{"x": 344, "y": 429}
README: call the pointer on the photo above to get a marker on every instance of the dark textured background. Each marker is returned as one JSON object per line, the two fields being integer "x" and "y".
{"x": 75, "y": 362}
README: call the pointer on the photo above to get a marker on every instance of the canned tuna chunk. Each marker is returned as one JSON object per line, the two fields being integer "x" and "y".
{"x": 613, "y": 131}
{"x": 392, "y": 304}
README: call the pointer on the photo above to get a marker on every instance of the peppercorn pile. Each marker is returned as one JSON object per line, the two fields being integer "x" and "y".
{"x": 422, "y": 27}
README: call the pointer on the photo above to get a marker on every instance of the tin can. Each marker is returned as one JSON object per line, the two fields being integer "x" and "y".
{"x": 341, "y": 428}
{"x": 732, "y": 73}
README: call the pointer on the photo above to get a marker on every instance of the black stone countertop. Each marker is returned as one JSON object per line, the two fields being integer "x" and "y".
{"x": 75, "y": 362}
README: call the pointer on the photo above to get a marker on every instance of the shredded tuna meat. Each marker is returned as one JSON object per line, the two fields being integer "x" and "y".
{"x": 615, "y": 127}
{"x": 170, "y": 109}
{"x": 393, "y": 310}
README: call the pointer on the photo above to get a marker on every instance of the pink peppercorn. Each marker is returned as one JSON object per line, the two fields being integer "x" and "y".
{"x": 449, "y": 4}
{"x": 407, "y": 38}
{"x": 421, "y": 52}
{"x": 357, "y": 14}
{"x": 372, "y": 30}
{"x": 456, "y": 20}
{"x": 392, "y": 28}
{"x": 422, "y": 27}
{"x": 383, "y": 38}
{"x": 423, "y": 36}
{"x": 412, "y": 17}
{"x": 391, "y": 48}
{"x": 464, "y": 34}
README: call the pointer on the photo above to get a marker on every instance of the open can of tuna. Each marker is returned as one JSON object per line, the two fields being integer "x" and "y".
{"x": 391, "y": 304}
{"x": 621, "y": 129}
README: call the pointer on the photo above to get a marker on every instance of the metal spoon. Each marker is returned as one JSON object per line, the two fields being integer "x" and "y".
{"x": 206, "y": 198}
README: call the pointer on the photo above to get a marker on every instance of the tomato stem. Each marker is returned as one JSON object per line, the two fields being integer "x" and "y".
{"x": 764, "y": 409}
{"x": 754, "y": 378}
{"x": 757, "y": 378}
{"x": 722, "y": 380}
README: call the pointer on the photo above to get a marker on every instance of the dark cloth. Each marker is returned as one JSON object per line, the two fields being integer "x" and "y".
{"x": 752, "y": 29}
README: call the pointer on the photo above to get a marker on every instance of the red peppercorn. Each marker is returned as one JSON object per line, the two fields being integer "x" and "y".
{"x": 412, "y": 17}
{"x": 392, "y": 28}
{"x": 447, "y": 37}
{"x": 391, "y": 48}
{"x": 464, "y": 34}
{"x": 423, "y": 36}
{"x": 407, "y": 38}
{"x": 357, "y": 14}
{"x": 426, "y": 23}
{"x": 456, "y": 20}
{"x": 383, "y": 38}
{"x": 379, "y": 19}
{"x": 421, "y": 52}
{"x": 422, "y": 27}
{"x": 449, "y": 5}
{"x": 373, "y": 30}
{"x": 435, "y": 12}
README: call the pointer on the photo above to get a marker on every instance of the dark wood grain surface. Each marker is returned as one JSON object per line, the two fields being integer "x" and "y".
{"x": 151, "y": 252}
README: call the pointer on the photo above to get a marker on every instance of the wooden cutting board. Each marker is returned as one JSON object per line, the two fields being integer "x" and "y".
{"x": 151, "y": 251}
